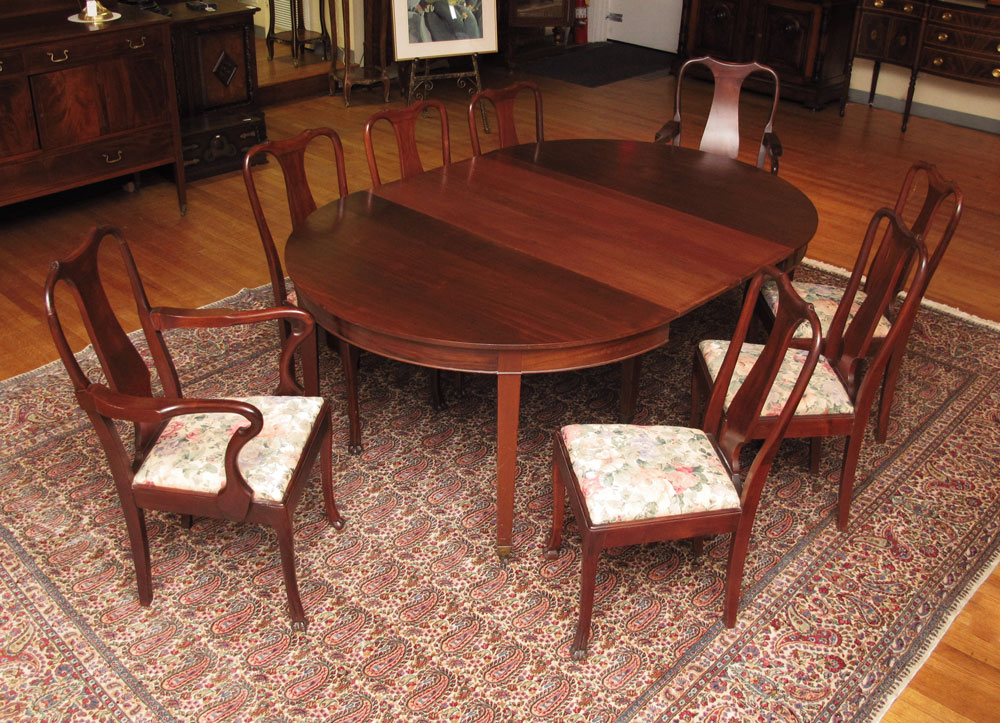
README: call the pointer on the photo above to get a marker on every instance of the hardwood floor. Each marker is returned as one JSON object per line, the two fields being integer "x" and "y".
{"x": 848, "y": 166}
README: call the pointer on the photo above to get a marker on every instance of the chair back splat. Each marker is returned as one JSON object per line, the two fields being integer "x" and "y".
{"x": 404, "y": 126}
{"x": 722, "y": 129}
{"x": 503, "y": 103}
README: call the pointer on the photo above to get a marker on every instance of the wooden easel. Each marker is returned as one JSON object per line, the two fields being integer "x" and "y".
{"x": 420, "y": 84}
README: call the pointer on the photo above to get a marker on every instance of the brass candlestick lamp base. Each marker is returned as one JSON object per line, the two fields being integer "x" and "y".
{"x": 101, "y": 14}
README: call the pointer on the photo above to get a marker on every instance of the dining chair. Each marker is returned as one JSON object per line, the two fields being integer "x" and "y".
{"x": 404, "y": 126}
{"x": 245, "y": 459}
{"x": 839, "y": 397}
{"x": 290, "y": 153}
{"x": 938, "y": 204}
{"x": 722, "y": 129}
{"x": 632, "y": 484}
{"x": 503, "y": 105}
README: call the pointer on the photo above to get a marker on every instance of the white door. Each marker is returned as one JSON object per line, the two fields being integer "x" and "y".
{"x": 646, "y": 23}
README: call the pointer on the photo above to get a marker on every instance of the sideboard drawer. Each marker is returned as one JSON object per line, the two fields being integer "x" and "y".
{"x": 905, "y": 7}
{"x": 943, "y": 36}
{"x": 107, "y": 158}
{"x": 942, "y": 62}
{"x": 969, "y": 19}
{"x": 66, "y": 53}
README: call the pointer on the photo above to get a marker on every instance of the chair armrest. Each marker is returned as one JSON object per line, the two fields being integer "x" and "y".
{"x": 303, "y": 330}
{"x": 772, "y": 143}
{"x": 670, "y": 132}
{"x": 235, "y": 496}
{"x": 157, "y": 410}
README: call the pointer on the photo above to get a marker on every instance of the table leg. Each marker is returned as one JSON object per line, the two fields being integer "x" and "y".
{"x": 508, "y": 412}
{"x": 630, "y": 389}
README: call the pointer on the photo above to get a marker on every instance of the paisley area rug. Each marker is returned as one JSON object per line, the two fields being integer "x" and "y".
{"x": 413, "y": 617}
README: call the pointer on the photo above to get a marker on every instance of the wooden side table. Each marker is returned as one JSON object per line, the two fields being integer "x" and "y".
{"x": 298, "y": 36}
{"x": 366, "y": 73}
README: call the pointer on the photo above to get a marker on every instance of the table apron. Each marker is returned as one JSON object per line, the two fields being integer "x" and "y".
{"x": 492, "y": 359}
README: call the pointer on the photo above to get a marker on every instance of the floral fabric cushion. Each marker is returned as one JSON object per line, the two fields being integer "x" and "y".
{"x": 292, "y": 298}
{"x": 825, "y": 300}
{"x": 190, "y": 453}
{"x": 628, "y": 472}
{"x": 823, "y": 395}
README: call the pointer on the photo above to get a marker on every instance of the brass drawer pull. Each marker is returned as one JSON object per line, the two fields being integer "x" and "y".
{"x": 937, "y": 62}
{"x": 998, "y": 50}
{"x": 878, "y": 3}
{"x": 63, "y": 59}
{"x": 996, "y": 73}
{"x": 946, "y": 16}
{"x": 907, "y": 8}
{"x": 942, "y": 37}
{"x": 1, "y": 64}
{"x": 140, "y": 44}
{"x": 109, "y": 160}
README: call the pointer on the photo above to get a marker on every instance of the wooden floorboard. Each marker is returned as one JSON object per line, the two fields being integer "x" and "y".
{"x": 848, "y": 166}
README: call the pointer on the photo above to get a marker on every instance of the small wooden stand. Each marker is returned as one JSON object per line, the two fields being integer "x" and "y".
{"x": 367, "y": 73}
{"x": 420, "y": 84}
{"x": 298, "y": 36}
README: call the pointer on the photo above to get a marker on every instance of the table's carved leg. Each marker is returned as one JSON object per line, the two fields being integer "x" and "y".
{"x": 630, "y": 389}
{"x": 508, "y": 412}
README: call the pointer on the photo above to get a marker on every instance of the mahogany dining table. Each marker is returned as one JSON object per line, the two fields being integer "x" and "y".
{"x": 542, "y": 257}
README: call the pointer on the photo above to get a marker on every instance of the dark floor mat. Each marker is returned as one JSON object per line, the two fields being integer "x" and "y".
{"x": 598, "y": 64}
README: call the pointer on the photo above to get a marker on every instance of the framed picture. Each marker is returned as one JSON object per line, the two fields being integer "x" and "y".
{"x": 438, "y": 28}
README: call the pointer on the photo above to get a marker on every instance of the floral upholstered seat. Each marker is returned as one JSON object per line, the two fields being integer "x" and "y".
{"x": 825, "y": 300}
{"x": 825, "y": 394}
{"x": 629, "y": 472}
{"x": 190, "y": 452}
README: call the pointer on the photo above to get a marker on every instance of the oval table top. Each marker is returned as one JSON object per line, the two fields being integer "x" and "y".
{"x": 548, "y": 249}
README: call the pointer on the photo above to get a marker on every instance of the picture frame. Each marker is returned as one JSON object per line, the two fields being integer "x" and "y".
{"x": 442, "y": 28}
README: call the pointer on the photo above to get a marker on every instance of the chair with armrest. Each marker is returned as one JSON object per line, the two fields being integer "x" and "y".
{"x": 503, "y": 104}
{"x": 838, "y": 399}
{"x": 290, "y": 153}
{"x": 631, "y": 484}
{"x": 722, "y": 129}
{"x": 404, "y": 127}
{"x": 938, "y": 214}
{"x": 245, "y": 459}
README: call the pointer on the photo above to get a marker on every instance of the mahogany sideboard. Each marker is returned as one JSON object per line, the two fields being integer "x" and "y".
{"x": 81, "y": 103}
{"x": 953, "y": 40}
{"x": 807, "y": 42}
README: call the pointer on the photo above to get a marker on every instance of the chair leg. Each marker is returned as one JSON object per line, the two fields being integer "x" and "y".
{"x": 815, "y": 454}
{"x": 697, "y": 546}
{"x": 851, "y": 454}
{"x": 558, "y": 509}
{"x": 734, "y": 571}
{"x": 283, "y": 528}
{"x": 588, "y": 583}
{"x": 187, "y": 521}
{"x": 326, "y": 473}
{"x": 135, "y": 522}
{"x": 888, "y": 391}
{"x": 349, "y": 358}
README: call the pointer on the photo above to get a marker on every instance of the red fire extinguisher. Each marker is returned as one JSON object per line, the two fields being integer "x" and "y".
{"x": 580, "y": 26}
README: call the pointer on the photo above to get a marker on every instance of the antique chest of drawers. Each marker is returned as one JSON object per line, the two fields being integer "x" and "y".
{"x": 952, "y": 40}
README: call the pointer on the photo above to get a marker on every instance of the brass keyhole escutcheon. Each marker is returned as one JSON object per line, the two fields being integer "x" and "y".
{"x": 942, "y": 37}
{"x": 878, "y": 3}
{"x": 907, "y": 8}
{"x": 946, "y": 16}
{"x": 996, "y": 73}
